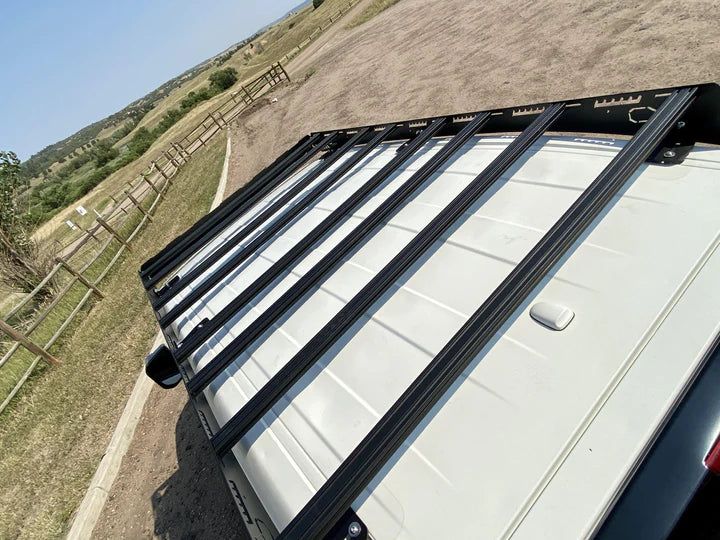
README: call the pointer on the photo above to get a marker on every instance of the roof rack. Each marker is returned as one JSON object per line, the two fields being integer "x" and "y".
{"x": 663, "y": 125}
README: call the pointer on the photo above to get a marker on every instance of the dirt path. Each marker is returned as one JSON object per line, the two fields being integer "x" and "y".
{"x": 418, "y": 58}
{"x": 170, "y": 485}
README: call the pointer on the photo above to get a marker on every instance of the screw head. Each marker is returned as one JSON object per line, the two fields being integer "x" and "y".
{"x": 354, "y": 529}
{"x": 669, "y": 153}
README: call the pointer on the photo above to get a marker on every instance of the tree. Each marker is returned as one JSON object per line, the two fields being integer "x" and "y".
{"x": 104, "y": 153}
{"x": 22, "y": 266}
{"x": 316, "y": 3}
{"x": 222, "y": 79}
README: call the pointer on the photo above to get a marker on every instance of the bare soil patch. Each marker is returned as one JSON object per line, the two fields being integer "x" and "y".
{"x": 170, "y": 485}
{"x": 423, "y": 58}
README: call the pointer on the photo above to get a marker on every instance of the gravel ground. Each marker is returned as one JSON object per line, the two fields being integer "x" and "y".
{"x": 418, "y": 58}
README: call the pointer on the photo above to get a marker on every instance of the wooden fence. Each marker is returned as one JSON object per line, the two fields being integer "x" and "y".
{"x": 113, "y": 231}
{"x": 318, "y": 31}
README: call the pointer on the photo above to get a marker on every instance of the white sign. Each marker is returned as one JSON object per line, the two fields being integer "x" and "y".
{"x": 71, "y": 225}
{"x": 81, "y": 210}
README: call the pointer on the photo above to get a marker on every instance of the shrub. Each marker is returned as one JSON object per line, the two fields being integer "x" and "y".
{"x": 222, "y": 79}
{"x": 104, "y": 153}
{"x": 193, "y": 98}
{"x": 141, "y": 141}
{"x": 119, "y": 133}
{"x": 317, "y": 3}
{"x": 168, "y": 119}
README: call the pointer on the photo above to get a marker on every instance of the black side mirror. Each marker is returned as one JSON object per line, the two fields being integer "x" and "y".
{"x": 160, "y": 366}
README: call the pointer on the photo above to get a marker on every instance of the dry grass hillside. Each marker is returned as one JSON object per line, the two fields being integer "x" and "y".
{"x": 273, "y": 44}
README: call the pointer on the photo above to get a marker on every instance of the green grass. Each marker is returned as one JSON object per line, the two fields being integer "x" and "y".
{"x": 56, "y": 432}
{"x": 372, "y": 9}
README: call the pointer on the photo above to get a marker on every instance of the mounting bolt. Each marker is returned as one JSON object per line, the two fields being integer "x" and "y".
{"x": 680, "y": 125}
{"x": 354, "y": 529}
{"x": 669, "y": 153}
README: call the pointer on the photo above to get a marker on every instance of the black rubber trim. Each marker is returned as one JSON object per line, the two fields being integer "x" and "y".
{"x": 328, "y": 505}
{"x": 229, "y": 210}
{"x": 289, "y": 374}
{"x": 329, "y": 261}
{"x": 282, "y": 219}
{"x": 193, "y": 341}
{"x": 662, "y": 498}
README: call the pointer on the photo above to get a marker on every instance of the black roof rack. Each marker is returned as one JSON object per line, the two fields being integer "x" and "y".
{"x": 663, "y": 124}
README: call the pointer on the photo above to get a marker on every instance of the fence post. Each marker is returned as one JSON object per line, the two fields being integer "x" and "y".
{"x": 247, "y": 93}
{"x": 165, "y": 176}
{"x": 171, "y": 159}
{"x": 112, "y": 231}
{"x": 181, "y": 151}
{"x": 90, "y": 234}
{"x": 80, "y": 277}
{"x": 285, "y": 72}
{"x": 139, "y": 206}
{"x": 216, "y": 122}
{"x": 115, "y": 201}
{"x": 178, "y": 154}
{"x": 153, "y": 186}
{"x": 29, "y": 345}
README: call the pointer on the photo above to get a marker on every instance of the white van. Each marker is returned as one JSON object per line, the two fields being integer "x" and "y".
{"x": 501, "y": 324}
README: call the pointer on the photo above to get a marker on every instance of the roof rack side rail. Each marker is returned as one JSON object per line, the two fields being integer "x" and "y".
{"x": 358, "y": 469}
{"x": 291, "y": 372}
{"x": 194, "y": 340}
{"x": 275, "y": 226}
{"x": 230, "y": 209}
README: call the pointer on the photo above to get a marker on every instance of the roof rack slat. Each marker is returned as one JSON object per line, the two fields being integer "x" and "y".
{"x": 328, "y": 263}
{"x": 155, "y": 277}
{"x": 274, "y": 210}
{"x": 268, "y": 233}
{"x": 351, "y": 478}
{"x": 228, "y": 211}
{"x": 313, "y": 276}
{"x": 298, "y": 365}
{"x": 194, "y": 340}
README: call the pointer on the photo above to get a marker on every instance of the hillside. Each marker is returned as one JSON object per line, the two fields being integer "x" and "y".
{"x": 63, "y": 172}
{"x": 52, "y": 201}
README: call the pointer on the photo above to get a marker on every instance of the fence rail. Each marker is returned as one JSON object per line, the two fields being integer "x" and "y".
{"x": 113, "y": 231}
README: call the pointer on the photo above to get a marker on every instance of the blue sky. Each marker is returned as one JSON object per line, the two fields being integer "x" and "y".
{"x": 68, "y": 64}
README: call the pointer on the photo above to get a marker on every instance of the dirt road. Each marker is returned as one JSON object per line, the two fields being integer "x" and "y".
{"x": 418, "y": 58}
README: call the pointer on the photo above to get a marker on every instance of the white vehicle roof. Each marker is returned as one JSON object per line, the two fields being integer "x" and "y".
{"x": 545, "y": 426}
